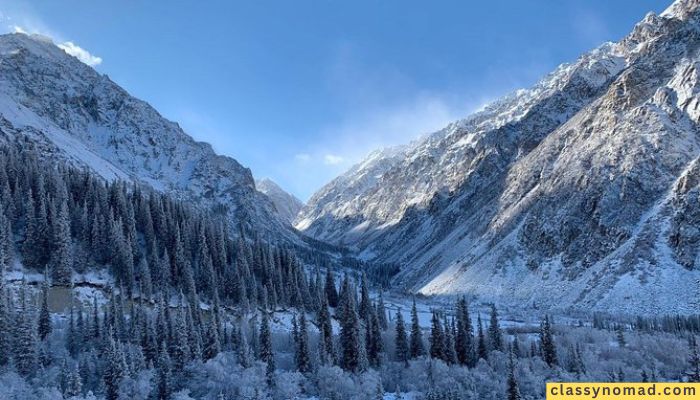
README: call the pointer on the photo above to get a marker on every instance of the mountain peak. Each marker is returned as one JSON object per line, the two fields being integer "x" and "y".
{"x": 577, "y": 192}
{"x": 286, "y": 204}
{"x": 681, "y": 9}
{"x": 64, "y": 106}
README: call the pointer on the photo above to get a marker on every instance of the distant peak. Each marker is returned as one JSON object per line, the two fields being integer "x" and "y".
{"x": 681, "y": 9}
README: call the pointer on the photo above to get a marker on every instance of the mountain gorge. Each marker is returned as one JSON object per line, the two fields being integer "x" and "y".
{"x": 580, "y": 192}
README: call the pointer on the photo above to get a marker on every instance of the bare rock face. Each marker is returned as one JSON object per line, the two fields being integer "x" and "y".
{"x": 581, "y": 192}
{"x": 71, "y": 112}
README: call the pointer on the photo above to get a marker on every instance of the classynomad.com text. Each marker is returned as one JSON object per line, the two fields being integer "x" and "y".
{"x": 623, "y": 391}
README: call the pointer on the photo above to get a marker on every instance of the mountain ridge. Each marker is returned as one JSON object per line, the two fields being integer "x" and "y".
{"x": 74, "y": 112}
{"x": 575, "y": 193}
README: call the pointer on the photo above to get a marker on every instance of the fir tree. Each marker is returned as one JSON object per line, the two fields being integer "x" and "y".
{"x": 513, "y": 392}
{"x": 693, "y": 361}
{"x": 266, "y": 354}
{"x": 44, "y": 328}
{"x": 450, "y": 354}
{"x": 25, "y": 344}
{"x": 326, "y": 331}
{"x": 620, "y": 335}
{"x": 350, "y": 342}
{"x": 401, "y": 347}
{"x": 549, "y": 352}
{"x": 164, "y": 374}
{"x": 62, "y": 259}
{"x": 417, "y": 347}
{"x": 114, "y": 370}
{"x": 302, "y": 357}
{"x": 481, "y": 351}
{"x": 331, "y": 292}
{"x": 495, "y": 335}
{"x": 464, "y": 338}
{"x": 437, "y": 339}
{"x": 5, "y": 345}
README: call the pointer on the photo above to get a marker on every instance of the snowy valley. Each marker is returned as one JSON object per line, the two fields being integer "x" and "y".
{"x": 553, "y": 235}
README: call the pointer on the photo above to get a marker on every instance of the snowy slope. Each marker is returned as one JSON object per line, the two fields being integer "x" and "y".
{"x": 287, "y": 205}
{"x": 579, "y": 192}
{"x": 73, "y": 113}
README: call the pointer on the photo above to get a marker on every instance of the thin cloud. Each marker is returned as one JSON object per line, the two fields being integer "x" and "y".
{"x": 302, "y": 157}
{"x": 332, "y": 159}
{"x": 25, "y": 22}
{"x": 80, "y": 53}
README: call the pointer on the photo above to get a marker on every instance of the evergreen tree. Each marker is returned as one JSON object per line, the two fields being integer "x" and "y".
{"x": 693, "y": 361}
{"x": 437, "y": 340}
{"x": 402, "y": 350}
{"x": 465, "y": 337}
{"x": 495, "y": 335}
{"x": 417, "y": 347}
{"x": 115, "y": 368}
{"x": 365, "y": 302}
{"x": 549, "y": 352}
{"x": 164, "y": 375}
{"x": 481, "y": 351}
{"x": 25, "y": 343}
{"x": 381, "y": 312}
{"x": 375, "y": 344}
{"x": 620, "y": 334}
{"x": 302, "y": 357}
{"x": 44, "y": 328}
{"x": 331, "y": 292}
{"x": 450, "y": 354}
{"x": 350, "y": 342}
{"x": 5, "y": 345}
{"x": 326, "y": 330}
{"x": 513, "y": 392}
{"x": 74, "y": 383}
{"x": 62, "y": 259}
{"x": 266, "y": 354}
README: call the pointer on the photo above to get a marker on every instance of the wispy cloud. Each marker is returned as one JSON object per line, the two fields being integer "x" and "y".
{"x": 24, "y": 21}
{"x": 332, "y": 159}
{"x": 302, "y": 157}
{"x": 80, "y": 53}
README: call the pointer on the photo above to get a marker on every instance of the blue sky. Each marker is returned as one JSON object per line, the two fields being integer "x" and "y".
{"x": 300, "y": 90}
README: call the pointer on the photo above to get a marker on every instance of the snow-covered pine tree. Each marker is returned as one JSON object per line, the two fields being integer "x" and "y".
{"x": 62, "y": 257}
{"x": 495, "y": 334}
{"x": 437, "y": 340}
{"x": 350, "y": 340}
{"x": 417, "y": 347}
{"x": 401, "y": 340}
{"x": 303, "y": 358}
{"x": 164, "y": 374}
{"x": 549, "y": 351}
{"x": 331, "y": 292}
{"x": 325, "y": 327}
{"x": 449, "y": 345}
{"x": 513, "y": 392}
{"x": 481, "y": 351}
{"x": 115, "y": 368}
{"x": 266, "y": 354}
{"x": 26, "y": 342}
{"x": 44, "y": 328}
{"x": 693, "y": 374}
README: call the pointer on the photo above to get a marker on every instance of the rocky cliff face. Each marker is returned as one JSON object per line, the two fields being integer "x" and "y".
{"x": 579, "y": 192}
{"x": 73, "y": 113}
{"x": 286, "y": 204}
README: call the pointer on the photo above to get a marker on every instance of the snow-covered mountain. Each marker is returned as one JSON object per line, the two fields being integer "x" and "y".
{"x": 61, "y": 105}
{"x": 582, "y": 191}
{"x": 286, "y": 204}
